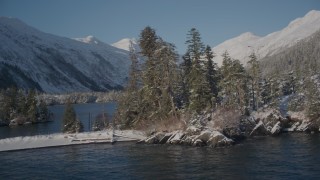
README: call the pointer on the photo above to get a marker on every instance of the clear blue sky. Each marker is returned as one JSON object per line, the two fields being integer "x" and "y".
{"x": 112, "y": 20}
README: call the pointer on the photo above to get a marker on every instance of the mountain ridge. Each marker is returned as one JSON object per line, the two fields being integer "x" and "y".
{"x": 59, "y": 64}
{"x": 242, "y": 46}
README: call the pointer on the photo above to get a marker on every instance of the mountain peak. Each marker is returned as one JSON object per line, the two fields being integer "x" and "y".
{"x": 125, "y": 43}
{"x": 89, "y": 40}
{"x": 308, "y": 18}
{"x": 313, "y": 13}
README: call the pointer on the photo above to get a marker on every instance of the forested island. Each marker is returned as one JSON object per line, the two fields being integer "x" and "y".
{"x": 20, "y": 107}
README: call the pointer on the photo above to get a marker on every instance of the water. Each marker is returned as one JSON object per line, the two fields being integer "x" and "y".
{"x": 289, "y": 156}
{"x": 82, "y": 111}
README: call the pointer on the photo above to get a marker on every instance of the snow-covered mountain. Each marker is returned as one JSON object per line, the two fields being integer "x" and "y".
{"x": 125, "y": 43}
{"x": 242, "y": 46}
{"x": 31, "y": 58}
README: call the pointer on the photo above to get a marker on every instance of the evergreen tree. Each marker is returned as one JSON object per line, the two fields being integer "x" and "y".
{"x": 255, "y": 77}
{"x": 200, "y": 94}
{"x": 155, "y": 99}
{"x": 225, "y": 83}
{"x": 31, "y": 106}
{"x": 21, "y": 102}
{"x": 195, "y": 47}
{"x": 233, "y": 84}
{"x": 43, "y": 113}
{"x": 275, "y": 90}
{"x": 8, "y": 104}
{"x": 313, "y": 97}
{"x": 100, "y": 122}
{"x": 150, "y": 78}
{"x": 128, "y": 105}
{"x": 147, "y": 42}
{"x": 265, "y": 94}
{"x": 186, "y": 67}
{"x": 134, "y": 69}
{"x": 167, "y": 77}
{"x": 70, "y": 123}
{"x": 211, "y": 75}
{"x": 148, "y": 45}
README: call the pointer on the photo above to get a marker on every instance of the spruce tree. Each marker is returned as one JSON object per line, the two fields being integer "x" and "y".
{"x": 70, "y": 123}
{"x": 134, "y": 69}
{"x": 186, "y": 67}
{"x": 225, "y": 83}
{"x": 43, "y": 113}
{"x": 200, "y": 94}
{"x": 265, "y": 94}
{"x": 150, "y": 79}
{"x": 167, "y": 77}
{"x": 211, "y": 75}
{"x": 233, "y": 84}
{"x": 154, "y": 100}
{"x": 32, "y": 106}
{"x": 128, "y": 104}
{"x": 255, "y": 77}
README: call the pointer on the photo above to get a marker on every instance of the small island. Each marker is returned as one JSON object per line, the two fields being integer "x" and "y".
{"x": 20, "y": 107}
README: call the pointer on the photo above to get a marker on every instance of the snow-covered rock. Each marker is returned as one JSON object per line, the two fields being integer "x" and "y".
{"x": 176, "y": 137}
{"x": 218, "y": 140}
{"x": 276, "y": 129}
{"x": 259, "y": 129}
{"x": 192, "y": 130}
{"x": 292, "y": 128}
{"x": 304, "y": 126}
{"x": 34, "y": 59}
{"x": 242, "y": 46}
{"x": 210, "y": 138}
{"x": 154, "y": 139}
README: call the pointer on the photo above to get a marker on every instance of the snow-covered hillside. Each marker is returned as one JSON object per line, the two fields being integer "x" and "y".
{"x": 57, "y": 64}
{"x": 125, "y": 43}
{"x": 242, "y": 46}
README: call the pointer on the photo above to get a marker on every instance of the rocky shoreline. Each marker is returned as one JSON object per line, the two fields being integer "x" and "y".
{"x": 203, "y": 130}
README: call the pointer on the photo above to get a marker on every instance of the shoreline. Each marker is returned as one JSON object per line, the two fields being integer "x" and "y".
{"x": 60, "y": 140}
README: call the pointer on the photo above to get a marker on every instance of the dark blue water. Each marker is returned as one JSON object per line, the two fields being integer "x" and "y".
{"x": 289, "y": 156}
{"x": 82, "y": 111}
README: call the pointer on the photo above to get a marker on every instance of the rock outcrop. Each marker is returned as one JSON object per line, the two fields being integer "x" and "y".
{"x": 205, "y": 130}
{"x": 210, "y": 138}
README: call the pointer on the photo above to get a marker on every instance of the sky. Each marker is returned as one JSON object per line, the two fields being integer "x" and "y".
{"x": 113, "y": 20}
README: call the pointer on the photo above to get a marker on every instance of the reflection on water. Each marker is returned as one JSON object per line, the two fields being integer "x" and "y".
{"x": 289, "y": 156}
{"x": 83, "y": 112}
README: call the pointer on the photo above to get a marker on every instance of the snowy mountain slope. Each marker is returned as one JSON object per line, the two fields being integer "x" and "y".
{"x": 124, "y": 44}
{"x": 58, "y": 64}
{"x": 242, "y": 46}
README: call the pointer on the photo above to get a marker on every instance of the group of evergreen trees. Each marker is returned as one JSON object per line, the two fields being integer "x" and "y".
{"x": 160, "y": 87}
{"x": 152, "y": 86}
{"x": 19, "y": 103}
{"x": 70, "y": 123}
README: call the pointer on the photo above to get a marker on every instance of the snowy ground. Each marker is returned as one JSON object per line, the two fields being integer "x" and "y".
{"x": 29, "y": 142}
